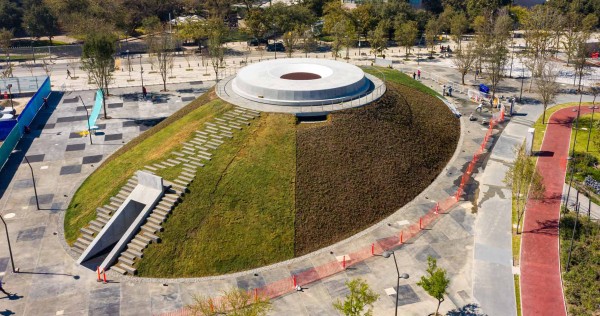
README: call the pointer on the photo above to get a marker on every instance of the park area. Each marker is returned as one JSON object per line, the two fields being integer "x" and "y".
{"x": 280, "y": 188}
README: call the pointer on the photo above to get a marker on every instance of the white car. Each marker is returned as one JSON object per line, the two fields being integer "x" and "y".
{"x": 6, "y": 117}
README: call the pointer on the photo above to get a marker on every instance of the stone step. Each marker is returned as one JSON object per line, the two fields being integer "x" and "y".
{"x": 221, "y": 120}
{"x": 204, "y": 157}
{"x": 186, "y": 178}
{"x": 102, "y": 210}
{"x": 123, "y": 259}
{"x": 81, "y": 244}
{"x": 154, "y": 220}
{"x": 102, "y": 220}
{"x": 159, "y": 165}
{"x": 197, "y": 159}
{"x": 235, "y": 126}
{"x": 182, "y": 160}
{"x": 201, "y": 133}
{"x": 205, "y": 153}
{"x": 161, "y": 212}
{"x": 171, "y": 197}
{"x": 97, "y": 224}
{"x": 210, "y": 124}
{"x": 118, "y": 270}
{"x": 139, "y": 243}
{"x": 202, "y": 148}
{"x": 123, "y": 195}
{"x": 218, "y": 141}
{"x": 151, "y": 228}
{"x": 225, "y": 128}
{"x": 211, "y": 146}
{"x": 140, "y": 236}
{"x": 166, "y": 204}
{"x": 135, "y": 247}
{"x": 114, "y": 204}
{"x": 188, "y": 174}
{"x": 178, "y": 154}
{"x": 152, "y": 236}
{"x": 157, "y": 217}
{"x": 131, "y": 270}
{"x": 235, "y": 117}
{"x": 179, "y": 187}
{"x": 87, "y": 237}
{"x": 212, "y": 143}
{"x": 188, "y": 152}
{"x": 105, "y": 218}
{"x": 117, "y": 200}
{"x": 197, "y": 142}
{"x": 249, "y": 111}
{"x": 228, "y": 136}
{"x": 196, "y": 164}
{"x": 88, "y": 231}
{"x": 168, "y": 164}
{"x": 150, "y": 168}
{"x": 182, "y": 182}
{"x": 137, "y": 254}
{"x": 110, "y": 207}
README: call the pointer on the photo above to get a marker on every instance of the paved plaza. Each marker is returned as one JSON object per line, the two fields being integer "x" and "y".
{"x": 470, "y": 241}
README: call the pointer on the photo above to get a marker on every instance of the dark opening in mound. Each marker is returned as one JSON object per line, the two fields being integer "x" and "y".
{"x": 368, "y": 163}
{"x": 300, "y": 76}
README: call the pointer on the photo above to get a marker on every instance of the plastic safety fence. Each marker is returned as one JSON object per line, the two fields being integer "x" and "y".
{"x": 291, "y": 284}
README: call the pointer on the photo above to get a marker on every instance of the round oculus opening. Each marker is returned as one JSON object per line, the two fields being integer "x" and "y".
{"x": 300, "y": 76}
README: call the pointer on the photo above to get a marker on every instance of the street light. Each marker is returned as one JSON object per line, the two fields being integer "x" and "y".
{"x": 593, "y": 108}
{"x": 387, "y": 254}
{"x": 9, "y": 86}
{"x": 87, "y": 115}
{"x": 128, "y": 64}
{"x": 141, "y": 71}
{"x": 12, "y": 261}
{"x": 37, "y": 202}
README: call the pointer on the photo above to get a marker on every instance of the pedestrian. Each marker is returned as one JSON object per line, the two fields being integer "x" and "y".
{"x": 69, "y": 74}
{"x": 414, "y": 76}
{"x": 479, "y": 107}
{"x": 3, "y": 291}
{"x": 45, "y": 103}
{"x": 144, "y": 92}
{"x": 450, "y": 91}
{"x": 419, "y": 74}
{"x": 443, "y": 90}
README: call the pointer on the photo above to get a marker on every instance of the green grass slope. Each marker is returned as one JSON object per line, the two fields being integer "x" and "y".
{"x": 151, "y": 146}
{"x": 239, "y": 213}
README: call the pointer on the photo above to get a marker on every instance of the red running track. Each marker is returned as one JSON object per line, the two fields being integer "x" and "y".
{"x": 541, "y": 287}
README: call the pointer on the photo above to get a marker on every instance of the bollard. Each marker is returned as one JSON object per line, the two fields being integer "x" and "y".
{"x": 104, "y": 274}
{"x": 372, "y": 249}
{"x": 437, "y": 208}
{"x": 421, "y": 223}
{"x": 295, "y": 282}
{"x": 212, "y": 307}
{"x": 256, "y": 295}
{"x": 344, "y": 262}
{"x": 401, "y": 237}
{"x": 98, "y": 272}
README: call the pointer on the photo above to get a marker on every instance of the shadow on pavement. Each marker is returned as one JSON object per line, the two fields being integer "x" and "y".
{"x": 467, "y": 310}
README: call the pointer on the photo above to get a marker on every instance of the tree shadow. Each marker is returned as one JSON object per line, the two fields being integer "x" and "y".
{"x": 467, "y": 310}
{"x": 544, "y": 153}
{"x": 7, "y": 312}
{"x": 548, "y": 227}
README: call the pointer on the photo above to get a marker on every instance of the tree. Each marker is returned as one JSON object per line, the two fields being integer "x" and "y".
{"x": 526, "y": 182}
{"x": 546, "y": 84}
{"x": 406, "y": 35}
{"x": 432, "y": 29}
{"x": 216, "y": 32}
{"x": 435, "y": 283}
{"x": 309, "y": 41}
{"x": 361, "y": 296}
{"x": 39, "y": 21}
{"x": 464, "y": 60}
{"x": 257, "y": 23}
{"x": 379, "y": 38}
{"x": 98, "y": 60}
{"x": 10, "y": 15}
{"x": 595, "y": 90}
{"x": 497, "y": 54}
{"x": 5, "y": 44}
{"x": 458, "y": 27}
{"x": 162, "y": 45}
{"x": 235, "y": 302}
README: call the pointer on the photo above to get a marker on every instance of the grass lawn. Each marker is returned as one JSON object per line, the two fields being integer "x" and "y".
{"x": 239, "y": 213}
{"x": 518, "y": 293}
{"x": 401, "y": 78}
{"x": 150, "y": 147}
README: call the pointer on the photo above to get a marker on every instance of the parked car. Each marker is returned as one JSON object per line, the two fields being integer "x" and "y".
{"x": 6, "y": 117}
{"x": 277, "y": 47}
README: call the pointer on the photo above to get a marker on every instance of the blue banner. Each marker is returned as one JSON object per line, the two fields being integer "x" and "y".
{"x": 97, "y": 107}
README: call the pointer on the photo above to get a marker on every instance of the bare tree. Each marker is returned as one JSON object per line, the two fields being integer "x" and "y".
{"x": 595, "y": 90}
{"x": 464, "y": 60}
{"x": 216, "y": 32}
{"x": 546, "y": 84}
{"x": 5, "y": 43}
{"x": 161, "y": 45}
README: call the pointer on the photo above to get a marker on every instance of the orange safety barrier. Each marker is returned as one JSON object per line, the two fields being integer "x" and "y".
{"x": 290, "y": 284}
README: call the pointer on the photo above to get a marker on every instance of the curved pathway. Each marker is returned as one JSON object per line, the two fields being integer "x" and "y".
{"x": 541, "y": 286}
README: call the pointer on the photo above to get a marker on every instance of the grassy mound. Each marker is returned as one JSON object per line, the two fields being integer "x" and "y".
{"x": 239, "y": 213}
{"x": 367, "y": 163}
{"x": 149, "y": 147}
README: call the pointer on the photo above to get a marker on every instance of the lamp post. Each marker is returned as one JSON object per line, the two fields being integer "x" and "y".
{"x": 12, "y": 261}
{"x": 87, "y": 115}
{"x": 387, "y": 254}
{"x": 128, "y": 64}
{"x": 37, "y": 202}
{"x": 141, "y": 71}
{"x": 593, "y": 108}
{"x": 9, "y": 86}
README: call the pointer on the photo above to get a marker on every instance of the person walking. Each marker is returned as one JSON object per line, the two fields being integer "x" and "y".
{"x": 414, "y": 76}
{"x": 69, "y": 74}
{"x": 144, "y": 92}
{"x": 419, "y": 74}
{"x": 450, "y": 91}
{"x": 3, "y": 291}
{"x": 443, "y": 90}
{"x": 479, "y": 107}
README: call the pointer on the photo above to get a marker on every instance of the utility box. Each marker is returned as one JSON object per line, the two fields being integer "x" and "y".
{"x": 529, "y": 141}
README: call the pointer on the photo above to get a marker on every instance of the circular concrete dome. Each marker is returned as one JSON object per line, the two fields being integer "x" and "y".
{"x": 300, "y": 81}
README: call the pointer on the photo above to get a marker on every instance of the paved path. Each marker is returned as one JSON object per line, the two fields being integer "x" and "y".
{"x": 541, "y": 285}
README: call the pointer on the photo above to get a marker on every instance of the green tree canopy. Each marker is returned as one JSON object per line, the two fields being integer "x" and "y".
{"x": 435, "y": 282}
{"x": 361, "y": 296}
{"x": 39, "y": 21}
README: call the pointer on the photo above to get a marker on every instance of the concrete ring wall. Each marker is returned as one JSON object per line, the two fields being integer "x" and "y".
{"x": 338, "y": 81}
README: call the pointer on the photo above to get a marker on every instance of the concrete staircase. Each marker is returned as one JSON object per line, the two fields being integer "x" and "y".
{"x": 195, "y": 154}
{"x": 103, "y": 215}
